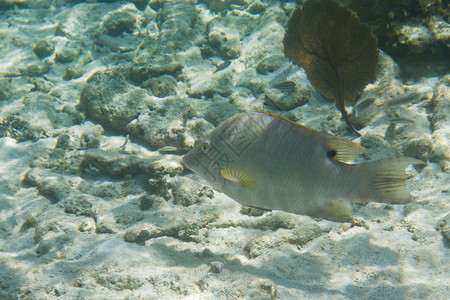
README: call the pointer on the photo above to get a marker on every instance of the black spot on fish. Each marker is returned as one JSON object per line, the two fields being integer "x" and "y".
{"x": 331, "y": 153}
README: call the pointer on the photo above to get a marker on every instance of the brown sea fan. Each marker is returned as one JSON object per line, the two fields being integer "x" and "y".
{"x": 338, "y": 53}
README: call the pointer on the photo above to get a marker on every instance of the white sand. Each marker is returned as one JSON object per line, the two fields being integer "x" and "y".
{"x": 51, "y": 250}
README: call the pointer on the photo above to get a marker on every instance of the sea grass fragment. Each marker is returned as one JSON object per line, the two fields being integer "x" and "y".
{"x": 338, "y": 53}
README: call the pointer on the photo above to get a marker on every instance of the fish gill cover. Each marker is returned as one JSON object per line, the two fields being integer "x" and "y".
{"x": 338, "y": 53}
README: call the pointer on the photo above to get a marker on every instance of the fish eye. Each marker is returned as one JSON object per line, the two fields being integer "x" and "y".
{"x": 204, "y": 146}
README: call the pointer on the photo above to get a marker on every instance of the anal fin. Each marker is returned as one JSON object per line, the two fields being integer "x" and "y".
{"x": 337, "y": 211}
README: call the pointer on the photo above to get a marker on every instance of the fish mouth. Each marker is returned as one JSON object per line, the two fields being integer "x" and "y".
{"x": 185, "y": 160}
{"x": 189, "y": 162}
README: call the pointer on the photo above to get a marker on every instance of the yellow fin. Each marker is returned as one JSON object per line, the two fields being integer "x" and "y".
{"x": 240, "y": 178}
{"x": 344, "y": 150}
{"x": 337, "y": 211}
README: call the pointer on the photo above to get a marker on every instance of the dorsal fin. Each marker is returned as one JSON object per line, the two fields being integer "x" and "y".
{"x": 344, "y": 150}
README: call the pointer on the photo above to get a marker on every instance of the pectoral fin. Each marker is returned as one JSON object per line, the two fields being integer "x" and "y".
{"x": 338, "y": 211}
{"x": 240, "y": 178}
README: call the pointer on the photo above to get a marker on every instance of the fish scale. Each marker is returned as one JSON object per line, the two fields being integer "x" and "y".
{"x": 275, "y": 164}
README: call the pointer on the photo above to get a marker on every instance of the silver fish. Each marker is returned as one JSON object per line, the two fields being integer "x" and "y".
{"x": 362, "y": 105}
{"x": 285, "y": 86}
{"x": 167, "y": 149}
{"x": 404, "y": 99}
{"x": 401, "y": 120}
{"x": 263, "y": 160}
{"x": 222, "y": 66}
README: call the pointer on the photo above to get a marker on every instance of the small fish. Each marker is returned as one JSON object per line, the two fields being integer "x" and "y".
{"x": 362, "y": 105}
{"x": 403, "y": 99}
{"x": 167, "y": 149}
{"x": 401, "y": 120}
{"x": 123, "y": 146}
{"x": 223, "y": 66}
{"x": 265, "y": 161}
{"x": 285, "y": 86}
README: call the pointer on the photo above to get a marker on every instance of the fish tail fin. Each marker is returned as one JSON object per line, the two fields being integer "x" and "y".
{"x": 385, "y": 180}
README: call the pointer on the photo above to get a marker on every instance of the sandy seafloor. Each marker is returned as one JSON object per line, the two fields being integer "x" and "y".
{"x": 84, "y": 215}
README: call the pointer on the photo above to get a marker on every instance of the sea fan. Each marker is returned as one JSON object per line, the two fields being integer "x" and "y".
{"x": 337, "y": 52}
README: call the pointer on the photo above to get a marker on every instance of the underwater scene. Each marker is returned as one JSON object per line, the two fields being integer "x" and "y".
{"x": 224, "y": 149}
